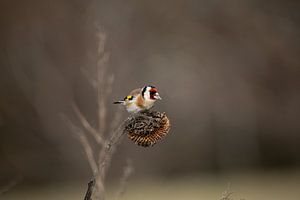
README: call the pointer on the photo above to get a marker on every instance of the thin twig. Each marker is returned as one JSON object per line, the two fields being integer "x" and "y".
{"x": 87, "y": 125}
{"x": 109, "y": 83}
{"x": 90, "y": 78}
{"x": 89, "y": 152}
{"x": 101, "y": 74}
{"x": 227, "y": 193}
{"x": 116, "y": 120}
{"x": 84, "y": 142}
{"x": 108, "y": 148}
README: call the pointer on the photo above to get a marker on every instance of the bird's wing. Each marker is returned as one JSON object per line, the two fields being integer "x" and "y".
{"x": 135, "y": 92}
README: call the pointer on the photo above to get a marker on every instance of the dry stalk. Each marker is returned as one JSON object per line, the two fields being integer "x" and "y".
{"x": 226, "y": 195}
{"x": 89, "y": 192}
{"x": 107, "y": 137}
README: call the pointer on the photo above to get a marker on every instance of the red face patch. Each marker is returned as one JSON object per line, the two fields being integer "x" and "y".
{"x": 153, "y": 90}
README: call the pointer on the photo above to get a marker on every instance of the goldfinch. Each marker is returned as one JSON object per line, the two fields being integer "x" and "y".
{"x": 140, "y": 99}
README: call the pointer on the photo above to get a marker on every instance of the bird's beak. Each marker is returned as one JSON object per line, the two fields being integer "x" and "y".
{"x": 157, "y": 96}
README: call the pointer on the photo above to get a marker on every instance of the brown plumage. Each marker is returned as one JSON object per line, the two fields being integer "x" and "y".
{"x": 147, "y": 127}
{"x": 139, "y": 99}
{"x": 135, "y": 92}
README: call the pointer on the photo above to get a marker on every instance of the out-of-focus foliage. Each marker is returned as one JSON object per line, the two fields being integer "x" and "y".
{"x": 228, "y": 73}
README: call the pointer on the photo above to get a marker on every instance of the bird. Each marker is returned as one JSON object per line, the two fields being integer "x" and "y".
{"x": 140, "y": 99}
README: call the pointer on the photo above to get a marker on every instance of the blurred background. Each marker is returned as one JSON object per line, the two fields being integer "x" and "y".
{"x": 228, "y": 73}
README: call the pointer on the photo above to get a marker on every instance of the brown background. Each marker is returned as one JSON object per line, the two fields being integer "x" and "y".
{"x": 228, "y": 73}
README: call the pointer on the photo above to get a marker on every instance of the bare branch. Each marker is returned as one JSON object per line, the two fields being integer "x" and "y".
{"x": 105, "y": 158}
{"x": 102, "y": 38}
{"x": 116, "y": 120}
{"x": 99, "y": 189}
{"x": 110, "y": 81}
{"x": 84, "y": 142}
{"x": 102, "y": 115}
{"x": 107, "y": 151}
{"x": 101, "y": 77}
{"x": 107, "y": 140}
{"x": 89, "y": 192}
{"x": 227, "y": 193}
{"x": 89, "y": 152}
{"x": 87, "y": 125}
{"x": 91, "y": 79}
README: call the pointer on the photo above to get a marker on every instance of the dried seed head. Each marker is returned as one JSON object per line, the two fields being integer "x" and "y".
{"x": 147, "y": 127}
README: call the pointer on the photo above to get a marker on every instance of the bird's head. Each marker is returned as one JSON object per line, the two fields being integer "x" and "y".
{"x": 150, "y": 93}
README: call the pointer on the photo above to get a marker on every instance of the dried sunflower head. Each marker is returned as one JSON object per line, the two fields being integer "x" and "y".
{"x": 147, "y": 127}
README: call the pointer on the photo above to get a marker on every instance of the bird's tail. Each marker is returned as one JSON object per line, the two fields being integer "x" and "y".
{"x": 118, "y": 102}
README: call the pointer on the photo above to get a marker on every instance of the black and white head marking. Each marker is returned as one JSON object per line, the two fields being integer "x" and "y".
{"x": 150, "y": 93}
